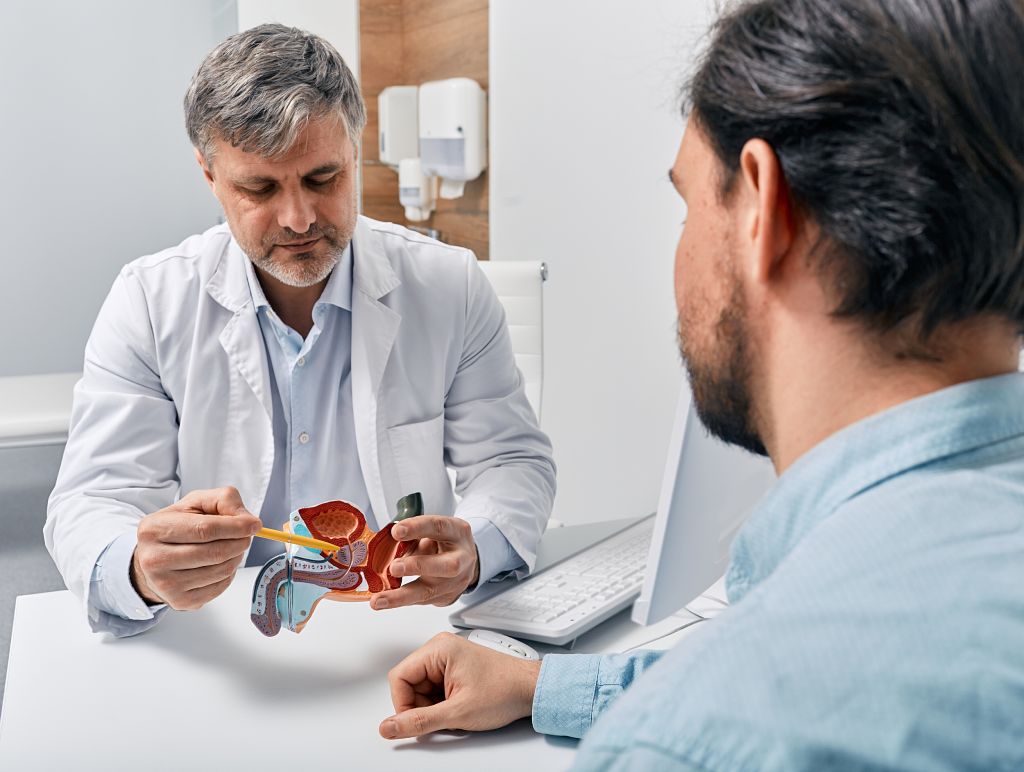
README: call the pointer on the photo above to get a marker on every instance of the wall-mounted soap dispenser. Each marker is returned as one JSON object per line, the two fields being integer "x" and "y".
{"x": 453, "y": 132}
{"x": 397, "y": 108}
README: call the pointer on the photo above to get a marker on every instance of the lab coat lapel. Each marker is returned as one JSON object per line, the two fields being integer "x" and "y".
{"x": 374, "y": 329}
{"x": 243, "y": 342}
{"x": 241, "y": 338}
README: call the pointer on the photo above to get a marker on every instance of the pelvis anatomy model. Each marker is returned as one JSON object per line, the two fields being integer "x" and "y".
{"x": 290, "y": 586}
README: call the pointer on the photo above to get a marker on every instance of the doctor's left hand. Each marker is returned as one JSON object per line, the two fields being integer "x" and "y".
{"x": 442, "y": 554}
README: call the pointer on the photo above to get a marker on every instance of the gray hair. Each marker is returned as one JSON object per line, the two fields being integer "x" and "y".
{"x": 260, "y": 88}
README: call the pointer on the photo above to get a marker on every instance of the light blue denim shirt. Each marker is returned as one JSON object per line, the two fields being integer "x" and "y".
{"x": 877, "y": 616}
{"x": 315, "y": 455}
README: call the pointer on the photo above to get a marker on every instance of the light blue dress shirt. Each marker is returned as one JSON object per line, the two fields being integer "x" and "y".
{"x": 315, "y": 456}
{"x": 877, "y": 617}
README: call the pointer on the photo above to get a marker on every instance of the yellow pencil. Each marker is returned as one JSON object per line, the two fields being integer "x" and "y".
{"x": 294, "y": 538}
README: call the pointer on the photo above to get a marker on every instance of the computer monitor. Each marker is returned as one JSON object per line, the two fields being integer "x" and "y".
{"x": 708, "y": 490}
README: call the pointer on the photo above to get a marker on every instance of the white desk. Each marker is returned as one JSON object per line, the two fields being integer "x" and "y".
{"x": 205, "y": 690}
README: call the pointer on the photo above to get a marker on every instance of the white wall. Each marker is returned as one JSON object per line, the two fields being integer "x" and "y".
{"x": 336, "y": 21}
{"x": 584, "y": 127}
{"x": 97, "y": 167}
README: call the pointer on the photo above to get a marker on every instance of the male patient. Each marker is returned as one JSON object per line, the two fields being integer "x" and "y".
{"x": 850, "y": 286}
{"x": 299, "y": 353}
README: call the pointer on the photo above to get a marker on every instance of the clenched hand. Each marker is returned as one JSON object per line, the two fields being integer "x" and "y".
{"x": 451, "y": 683}
{"x": 187, "y": 553}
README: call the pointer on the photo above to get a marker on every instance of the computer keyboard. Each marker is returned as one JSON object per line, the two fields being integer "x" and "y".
{"x": 562, "y": 602}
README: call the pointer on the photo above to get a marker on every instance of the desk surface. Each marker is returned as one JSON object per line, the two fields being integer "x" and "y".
{"x": 205, "y": 690}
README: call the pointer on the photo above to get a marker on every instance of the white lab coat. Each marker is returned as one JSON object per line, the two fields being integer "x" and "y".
{"x": 175, "y": 395}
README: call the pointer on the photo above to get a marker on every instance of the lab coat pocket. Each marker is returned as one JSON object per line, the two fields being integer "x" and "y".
{"x": 419, "y": 461}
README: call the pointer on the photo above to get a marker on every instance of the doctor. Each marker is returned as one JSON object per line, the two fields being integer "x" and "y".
{"x": 297, "y": 354}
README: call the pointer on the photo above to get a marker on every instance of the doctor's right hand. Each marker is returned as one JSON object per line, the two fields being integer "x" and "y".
{"x": 187, "y": 553}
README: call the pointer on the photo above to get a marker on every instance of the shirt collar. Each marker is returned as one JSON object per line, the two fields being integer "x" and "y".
{"x": 337, "y": 291}
{"x": 945, "y": 423}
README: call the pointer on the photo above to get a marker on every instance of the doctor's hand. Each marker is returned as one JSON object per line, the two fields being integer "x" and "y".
{"x": 451, "y": 683}
{"x": 187, "y": 554}
{"x": 442, "y": 554}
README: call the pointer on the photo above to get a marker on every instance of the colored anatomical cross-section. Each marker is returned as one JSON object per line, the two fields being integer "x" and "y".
{"x": 290, "y": 586}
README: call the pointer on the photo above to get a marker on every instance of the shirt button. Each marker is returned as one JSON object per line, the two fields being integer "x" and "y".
{"x": 300, "y": 361}
{"x": 304, "y": 438}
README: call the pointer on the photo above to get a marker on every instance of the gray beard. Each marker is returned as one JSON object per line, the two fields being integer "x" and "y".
{"x": 300, "y": 271}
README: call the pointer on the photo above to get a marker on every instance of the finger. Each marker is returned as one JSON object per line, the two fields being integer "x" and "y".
{"x": 422, "y": 591}
{"x": 181, "y": 557}
{"x": 421, "y": 547}
{"x": 191, "y": 528}
{"x": 419, "y": 673}
{"x": 448, "y": 565}
{"x": 215, "y": 501}
{"x": 418, "y": 721}
{"x": 195, "y": 599}
{"x": 406, "y": 692}
{"x": 451, "y": 530}
{"x": 196, "y": 578}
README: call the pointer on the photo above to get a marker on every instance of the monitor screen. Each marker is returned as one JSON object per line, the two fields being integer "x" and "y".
{"x": 708, "y": 490}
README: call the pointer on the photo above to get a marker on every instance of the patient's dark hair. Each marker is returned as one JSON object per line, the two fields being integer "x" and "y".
{"x": 899, "y": 126}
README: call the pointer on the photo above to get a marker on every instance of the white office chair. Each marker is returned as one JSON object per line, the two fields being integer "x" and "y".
{"x": 519, "y": 286}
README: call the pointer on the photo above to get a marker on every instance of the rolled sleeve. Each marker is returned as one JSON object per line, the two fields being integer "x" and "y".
{"x": 564, "y": 701}
{"x": 574, "y": 689}
{"x": 114, "y": 605}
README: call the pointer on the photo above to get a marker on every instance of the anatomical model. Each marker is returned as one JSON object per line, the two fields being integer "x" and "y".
{"x": 290, "y": 586}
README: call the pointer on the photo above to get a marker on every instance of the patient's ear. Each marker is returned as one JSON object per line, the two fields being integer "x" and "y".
{"x": 766, "y": 220}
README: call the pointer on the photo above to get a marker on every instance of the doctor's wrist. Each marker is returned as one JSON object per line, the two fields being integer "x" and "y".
{"x": 476, "y": 572}
{"x": 139, "y": 583}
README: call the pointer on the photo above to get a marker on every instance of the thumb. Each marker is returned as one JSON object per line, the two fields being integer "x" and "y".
{"x": 417, "y": 721}
{"x": 216, "y": 501}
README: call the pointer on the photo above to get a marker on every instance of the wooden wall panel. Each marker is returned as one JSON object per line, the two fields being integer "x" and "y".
{"x": 445, "y": 39}
{"x": 380, "y": 65}
{"x": 408, "y": 42}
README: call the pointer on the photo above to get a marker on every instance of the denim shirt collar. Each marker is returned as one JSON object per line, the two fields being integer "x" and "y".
{"x": 920, "y": 431}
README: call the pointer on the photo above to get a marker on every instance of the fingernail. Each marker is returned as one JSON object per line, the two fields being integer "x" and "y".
{"x": 389, "y": 729}
{"x": 380, "y": 603}
{"x": 398, "y": 531}
{"x": 398, "y": 566}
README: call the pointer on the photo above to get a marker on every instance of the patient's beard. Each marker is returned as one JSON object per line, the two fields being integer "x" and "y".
{"x": 721, "y": 384}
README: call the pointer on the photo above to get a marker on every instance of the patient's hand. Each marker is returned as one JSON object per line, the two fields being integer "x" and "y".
{"x": 442, "y": 554}
{"x": 187, "y": 553}
{"x": 451, "y": 683}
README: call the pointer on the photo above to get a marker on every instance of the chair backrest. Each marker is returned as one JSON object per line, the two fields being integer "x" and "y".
{"x": 519, "y": 286}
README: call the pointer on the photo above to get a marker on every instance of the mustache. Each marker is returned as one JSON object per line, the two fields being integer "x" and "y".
{"x": 287, "y": 235}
